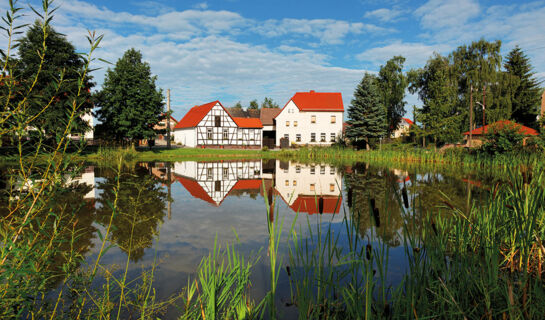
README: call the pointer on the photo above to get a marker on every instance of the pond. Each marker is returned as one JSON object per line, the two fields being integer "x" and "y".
{"x": 171, "y": 214}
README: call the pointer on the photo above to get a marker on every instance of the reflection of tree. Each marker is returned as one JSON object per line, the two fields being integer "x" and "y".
{"x": 140, "y": 209}
{"x": 365, "y": 185}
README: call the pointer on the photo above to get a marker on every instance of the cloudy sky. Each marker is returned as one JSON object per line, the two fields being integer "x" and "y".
{"x": 243, "y": 50}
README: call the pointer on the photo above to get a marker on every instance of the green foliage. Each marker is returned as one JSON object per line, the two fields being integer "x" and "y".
{"x": 366, "y": 114}
{"x": 526, "y": 97}
{"x": 503, "y": 138}
{"x": 237, "y": 105}
{"x": 269, "y": 103}
{"x": 54, "y": 79}
{"x": 253, "y": 105}
{"x": 392, "y": 83}
{"x": 129, "y": 102}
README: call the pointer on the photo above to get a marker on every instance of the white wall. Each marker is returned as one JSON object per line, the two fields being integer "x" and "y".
{"x": 304, "y": 126}
{"x": 186, "y": 136}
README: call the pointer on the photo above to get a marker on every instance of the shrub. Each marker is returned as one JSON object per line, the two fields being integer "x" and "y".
{"x": 265, "y": 148}
{"x": 503, "y": 137}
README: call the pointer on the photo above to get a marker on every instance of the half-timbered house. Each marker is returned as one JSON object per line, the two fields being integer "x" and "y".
{"x": 211, "y": 125}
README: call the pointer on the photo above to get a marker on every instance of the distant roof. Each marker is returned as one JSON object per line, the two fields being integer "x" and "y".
{"x": 409, "y": 121}
{"x": 237, "y": 112}
{"x": 500, "y": 124}
{"x": 267, "y": 115}
{"x": 195, "y": 115}
{"x": 318, "y": 101}
{"x": 253, "y": 113}
{"x": 310, "y": 204}
{"x": 248, "y": 122}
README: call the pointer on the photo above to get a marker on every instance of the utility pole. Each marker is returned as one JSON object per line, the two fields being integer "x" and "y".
{"x": 470, "y": 116}
{"x": 168, "y": 118}
{"x": 484, "y": 107}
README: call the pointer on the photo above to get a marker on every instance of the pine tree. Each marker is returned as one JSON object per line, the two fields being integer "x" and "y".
{"x": 60, "y": 62}
{"x": 129, "y": 102}
{"x": 526, "y": 99}
{"x": 366, "y": 114}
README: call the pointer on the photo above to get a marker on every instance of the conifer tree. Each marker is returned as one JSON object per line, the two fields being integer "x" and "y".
{"x": 58, "y": 78}
{"x": 129, "y": 102}
{"x": 366, "y": 114}
{"x": 526, "y": 98}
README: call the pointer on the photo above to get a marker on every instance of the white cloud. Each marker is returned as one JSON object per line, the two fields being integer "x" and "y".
{"x": 446, "y": 13}
{"x": 202, "y": 6}
{"x": 416, "y": 53}
{"x": 385, "y": 14}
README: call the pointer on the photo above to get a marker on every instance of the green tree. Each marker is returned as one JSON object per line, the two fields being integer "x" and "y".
{"x": 526, "y": 97}
{"x": 366, "y": 114}
{"x": 254, "y": 105}
{"x": 238, "y": 105}
{"x": 269, "y": 103}
{"x": 129, "y": 102}
{"x": 57, "y": 82}
{"x": 392, "y": 84}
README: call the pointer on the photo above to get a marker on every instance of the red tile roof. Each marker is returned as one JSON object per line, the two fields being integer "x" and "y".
{"x": 310, "y": 204}
{"x": 247, "y": 184}
{"x": 248, "y": 122}
{"x": 318, "y": 101}
{"x": 499, "y": 125}
{"x": 195, "y": 115}
{"x": 409, "y": 121}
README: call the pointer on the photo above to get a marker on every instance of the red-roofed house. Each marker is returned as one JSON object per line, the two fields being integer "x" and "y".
{"x": 211, "y": 125}
{"x": 314, "y": 118}
{"x": 478, "y": 135}
{"x": 403, "y": 128}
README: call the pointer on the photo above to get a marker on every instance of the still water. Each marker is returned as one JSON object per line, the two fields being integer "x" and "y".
{"x": 175, "y": 211}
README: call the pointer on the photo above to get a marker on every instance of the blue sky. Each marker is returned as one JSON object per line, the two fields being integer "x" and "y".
{"x": 235, "y": 50}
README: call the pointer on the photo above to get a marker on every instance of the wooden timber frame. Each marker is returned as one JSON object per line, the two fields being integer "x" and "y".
{"x": 218, "y": 128}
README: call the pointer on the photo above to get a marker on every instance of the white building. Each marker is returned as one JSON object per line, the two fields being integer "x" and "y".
{"x": 403, "y": 129}
{"x": 313, "y": 118}
{"x": 211, "y": 125}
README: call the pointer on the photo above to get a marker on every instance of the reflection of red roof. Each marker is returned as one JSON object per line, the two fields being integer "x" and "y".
{"x": 318, "y": 101}
{"x": 310, "y": 204}
{"x": 248, "y": 122}
{"x": 196, "y": 190}
{"x": 195, "y": 115}
{"x": 500, "y": 125}
{"x": 247, "y": 184}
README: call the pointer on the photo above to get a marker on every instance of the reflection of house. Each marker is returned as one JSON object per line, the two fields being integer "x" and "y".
{"x": 210, "y": 125}
{"x": 87, "y": 177}
{"x": 314, "y": 118}
{"x": 214, "y": 181}
{"x": 309, "y": 188}
{"x": 403, "y": 128}
{"x": 479, "y": 134}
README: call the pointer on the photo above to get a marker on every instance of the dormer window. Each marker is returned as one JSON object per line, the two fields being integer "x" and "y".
{"x": 312, "y": 119}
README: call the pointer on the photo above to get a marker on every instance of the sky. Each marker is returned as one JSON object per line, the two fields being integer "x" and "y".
{"x": 239, "y": 50}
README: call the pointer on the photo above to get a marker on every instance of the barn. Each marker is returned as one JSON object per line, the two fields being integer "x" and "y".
{"x": 211, "y": 125}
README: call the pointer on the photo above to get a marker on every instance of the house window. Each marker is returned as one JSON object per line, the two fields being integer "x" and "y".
{"x": 322, "y": 169}
{"x": 298, "y": 137}
{"x": 295, "y": 123}
{"x": 313, "y": 137}
{"x": 332, "y": 137}
{"x": 294, "y": 183}
{"x": 225, "y": 173}
{"x": 217, "y": 186}
{"x": 287, "y": 183}
{"x": 298, "y": 169}
{"x": 217, "y": 121}
{"x": 209, "y": 174}
{"x": 312, "y": 187}
{"x": 312, "y": 119}
{"x": 209, "y": 133}
{"x": 225, "y": 134}
{"x": 287, "y": 123}
{"x": 312, "y": 170}
{"x": 287, "y": 136}
{"x": 331, "y": 187}
{"x": 333, "y": 119}
{"x": 322, "y": 137}
{"x": 332, "y": 170}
